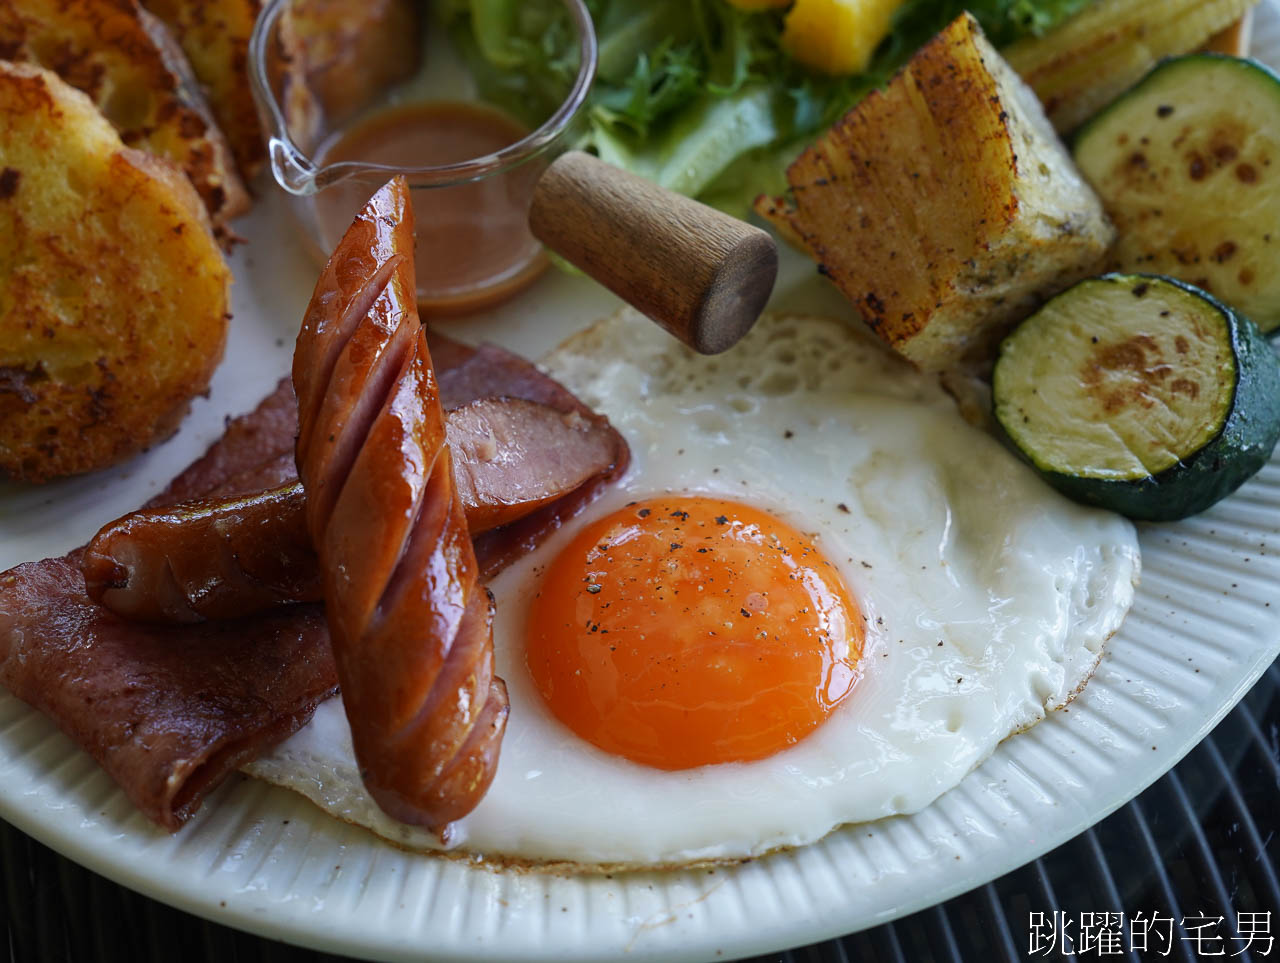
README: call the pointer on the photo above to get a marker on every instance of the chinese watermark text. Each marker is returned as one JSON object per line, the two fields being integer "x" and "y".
{"x": 1154, "y": 934}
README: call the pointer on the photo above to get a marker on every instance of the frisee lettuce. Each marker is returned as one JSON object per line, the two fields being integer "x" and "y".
{"x": 697, "y": 95}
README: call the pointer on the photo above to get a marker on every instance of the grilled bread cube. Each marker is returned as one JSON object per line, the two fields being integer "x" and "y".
{"x": 1088, "y": 60}
{"x": 944, "y": 206}
{"x": 1235, "y": 40}
{"x": 113, "y": 292}
{"x": 127, "y": 63}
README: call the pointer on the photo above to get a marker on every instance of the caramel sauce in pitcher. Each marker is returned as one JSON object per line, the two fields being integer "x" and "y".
{"x": 473, "y": 242}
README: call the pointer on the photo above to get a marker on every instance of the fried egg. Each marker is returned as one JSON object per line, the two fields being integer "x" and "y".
{"x": 817, "y": 597}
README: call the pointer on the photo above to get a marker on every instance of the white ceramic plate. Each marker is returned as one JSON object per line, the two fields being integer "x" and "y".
{"x": 265, "y": 860}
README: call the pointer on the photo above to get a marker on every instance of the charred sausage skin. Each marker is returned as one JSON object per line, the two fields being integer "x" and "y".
{"x": 410, "y": 624}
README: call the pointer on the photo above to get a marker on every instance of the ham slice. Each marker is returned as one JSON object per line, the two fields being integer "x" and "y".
{"x": 252, "y": 454}
{"x": 512, "y": 456}
{"x": 169, "y": 711}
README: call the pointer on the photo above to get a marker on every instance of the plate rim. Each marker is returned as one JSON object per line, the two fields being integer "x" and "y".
{"x": 96, "y": 848}
{"x": 801, "y": 933}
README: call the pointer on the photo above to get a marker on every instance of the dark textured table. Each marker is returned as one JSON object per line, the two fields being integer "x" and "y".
{"x": 1197, "y": 846}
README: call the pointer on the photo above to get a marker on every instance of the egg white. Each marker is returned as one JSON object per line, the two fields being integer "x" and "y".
{"x": 988, "y": 598}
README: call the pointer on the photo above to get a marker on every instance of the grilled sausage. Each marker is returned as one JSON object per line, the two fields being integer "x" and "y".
{"x": 223, "y": 558}
{"x": 207, "y": 559}
{"x": 411, "y": 626}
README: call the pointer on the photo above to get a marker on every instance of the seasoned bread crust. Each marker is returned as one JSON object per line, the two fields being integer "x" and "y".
{"x": 135, "y": 73}
{"x": 349, "y": 51}
{"x": 1233, "y": 40}
{"x": 113, "y": 293}
{"x": 944, "y": 206}
{"x": 214, "y": 34}
{"x": 1093, "y": 57}
{"x": 337, "y": 55}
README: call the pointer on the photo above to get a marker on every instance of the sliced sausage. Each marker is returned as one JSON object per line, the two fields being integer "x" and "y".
{"x": 228, "y": 557}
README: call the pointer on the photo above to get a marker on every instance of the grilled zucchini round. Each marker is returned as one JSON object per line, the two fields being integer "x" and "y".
{"x": 1187, "y": 165}
{"x": 1140, "y": 394}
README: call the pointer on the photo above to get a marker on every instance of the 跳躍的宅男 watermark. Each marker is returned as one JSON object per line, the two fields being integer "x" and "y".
{"x": 1153, "y": 934}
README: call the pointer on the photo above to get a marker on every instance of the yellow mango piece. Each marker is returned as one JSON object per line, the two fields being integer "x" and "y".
{"x": 837, "y": 36}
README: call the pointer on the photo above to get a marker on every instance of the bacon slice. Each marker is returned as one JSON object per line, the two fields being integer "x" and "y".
{"x": 410, "y": 625}
{"x": 124, "y": 692}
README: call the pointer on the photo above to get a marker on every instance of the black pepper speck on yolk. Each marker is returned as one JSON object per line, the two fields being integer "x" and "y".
{"x": 686, "y": 631}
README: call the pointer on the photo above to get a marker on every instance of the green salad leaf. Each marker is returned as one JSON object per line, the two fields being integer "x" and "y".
{"x": 697, "y": 95}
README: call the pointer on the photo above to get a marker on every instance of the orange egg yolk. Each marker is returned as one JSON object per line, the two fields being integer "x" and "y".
{"x": 686, "y": 631}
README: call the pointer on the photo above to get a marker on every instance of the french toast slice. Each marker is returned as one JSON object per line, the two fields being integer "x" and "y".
{"x": 214, "y": 34}
{"x": 135, "y": 73}
{"x": 336, "y": 56}
{"x": 113, "y": 291}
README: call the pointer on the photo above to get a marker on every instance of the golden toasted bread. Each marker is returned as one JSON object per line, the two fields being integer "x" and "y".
{"x": 336, "y": 54}
{"x": 124, "y": 59}
{"x": 113, "y": 292}
{"x": 944, "y": 206}
{"x": 1235, "y": 39}
{"x": 350, "y": 51}
{"x": 214, "y": 34}
{"x": 1090, "y": 59}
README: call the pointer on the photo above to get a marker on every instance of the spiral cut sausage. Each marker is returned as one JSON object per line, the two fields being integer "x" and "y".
{"x": 411, "y": 626}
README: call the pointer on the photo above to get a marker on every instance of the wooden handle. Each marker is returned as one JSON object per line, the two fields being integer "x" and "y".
{"x": 701, "y": 274}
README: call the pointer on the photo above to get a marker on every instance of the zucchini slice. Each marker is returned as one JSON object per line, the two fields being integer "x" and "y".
{"x": 1187, "y": 164}
{"x": 1139, "y": 394}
